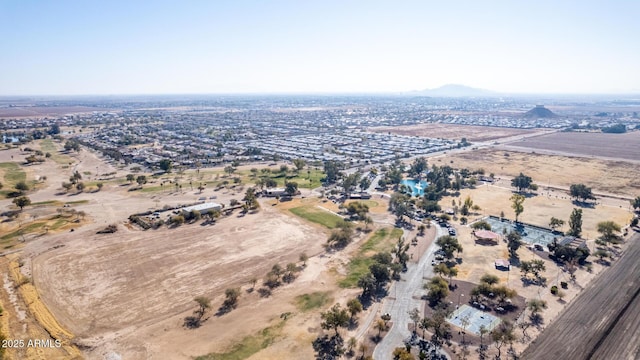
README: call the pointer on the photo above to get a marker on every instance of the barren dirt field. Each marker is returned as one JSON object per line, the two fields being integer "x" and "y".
{"x": 95, "y": 284}
{"x": 38, "y": 111}
{"x": 617, "y": 177}
{"x": 601, "y": 323}
{"x": 616, "y": 146}
{"x": 449, "y": 131}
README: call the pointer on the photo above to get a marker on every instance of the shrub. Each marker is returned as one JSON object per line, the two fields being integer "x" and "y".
{"x": 563, "y": 284}
{"x": 110, "y": 229}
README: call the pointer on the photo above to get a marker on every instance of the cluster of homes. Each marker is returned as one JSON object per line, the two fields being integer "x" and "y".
{"x": 210, "y": 130}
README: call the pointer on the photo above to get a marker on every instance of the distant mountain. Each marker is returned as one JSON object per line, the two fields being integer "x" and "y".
{"x": 454, "y": 90}
{"x": 539, "y": 112}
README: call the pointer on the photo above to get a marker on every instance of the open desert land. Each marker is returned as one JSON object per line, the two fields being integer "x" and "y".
{"x": 457, "y": 132}
{"x": 604, "y": 176}
{"x": 607, "y": 146}
{"x": 127, "y": 294}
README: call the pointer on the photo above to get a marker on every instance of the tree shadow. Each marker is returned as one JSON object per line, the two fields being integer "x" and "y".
{"x": 584, "y": 204}
{"x": 193, "y": 322}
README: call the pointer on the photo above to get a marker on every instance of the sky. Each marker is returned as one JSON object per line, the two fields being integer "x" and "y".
{"x": 241, "y": 46}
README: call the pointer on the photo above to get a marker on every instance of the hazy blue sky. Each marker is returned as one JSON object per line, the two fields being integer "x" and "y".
{"x": 133, "y": 47}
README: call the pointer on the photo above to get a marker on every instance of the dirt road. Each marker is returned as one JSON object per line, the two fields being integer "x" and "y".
{"x": 603, "y": 322}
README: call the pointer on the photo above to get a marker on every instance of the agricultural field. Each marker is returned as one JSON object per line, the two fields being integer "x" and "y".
{"x": 610, "y": 305}
{"x": 38, "y": 111}
{"x": 455, "y": 132}
{"x": 610, "y": 146}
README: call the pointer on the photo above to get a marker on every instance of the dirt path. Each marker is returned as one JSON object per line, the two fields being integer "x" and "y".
{"x": 603, "y": 322}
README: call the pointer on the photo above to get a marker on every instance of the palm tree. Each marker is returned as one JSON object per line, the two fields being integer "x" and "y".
{"x": 380, "y": 325}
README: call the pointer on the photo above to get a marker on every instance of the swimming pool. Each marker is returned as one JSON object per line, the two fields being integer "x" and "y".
{"x": 417, "y": 187}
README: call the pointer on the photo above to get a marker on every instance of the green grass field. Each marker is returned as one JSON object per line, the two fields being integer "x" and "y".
{"x": 381, "y": 240}
{"x": 47, "y": 146}
{"x": 249, "y": 345}
{"x": 317, "y": 216}
{"x": 313, "y": 300}
{"x": 11, "y": 174}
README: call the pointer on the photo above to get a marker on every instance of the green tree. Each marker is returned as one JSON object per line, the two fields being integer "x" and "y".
{"x": 335, "y": 318}
{"x": 575, "y": 223}
{"x": 231, "y": 299}
{"x": 332, "y": 171}
{"x": 449, "y": 244}
{"x": 80, "y": 186}
{"x": 635, "y": 203}
{"x": 304, "y": 258}
{"x": 438, "y": 290}
{"x": 581, "y": 191}
{"x": 401, "y": 353}
{"x": 166, "y": 165}
{"x": 354, "y": 306}
{"x": 204, "y": 303}
{"x": 608, "y": 231}
{"x": 555, "y": 223}
{"x": 513, "y": 243}
{"x": 364, "y": 183}
{"x": 489, "y": 279}
{"x": 67, "y": 186}
{"x": 21, "y": 186}
{"x": 141, "y": 179}
{"x": 502, "y": 334}
{"x": 359, "y": 209}
{"x": 299, "y": 164}
{"x": 291, "y": 188}
{"x": 229, "y": 169}
{"x": 521, "y": 182}
{"x": 517, "y": 202}
{"x": 99, "y": 186}
{"x": 130, "y": 177}
{"x": 21, "y": 202}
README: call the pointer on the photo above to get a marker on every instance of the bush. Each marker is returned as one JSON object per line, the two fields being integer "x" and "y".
{"x": 109, "y": 229}
{"x": 554, "y": 290}
{"x": 564, "y": 284}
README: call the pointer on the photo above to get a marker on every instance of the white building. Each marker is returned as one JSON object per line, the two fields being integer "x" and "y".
{"x": 273, "y": 192}
{"x": 202, "y": 208}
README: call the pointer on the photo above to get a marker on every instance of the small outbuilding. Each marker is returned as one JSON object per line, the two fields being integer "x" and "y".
{"x": 486, "y": 237}
{"x": 273, "y": 192}
{"x": 202, "y": 208}
{"x": 502, "y": 264}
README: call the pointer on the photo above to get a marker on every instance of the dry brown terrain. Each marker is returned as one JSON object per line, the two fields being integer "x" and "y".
{"x": 606, "y": 176}
{"x": 40, "y": 111}
{"x": 615, "y": 146}
{"x": 457, "y": 132}
{"x": 127, "y": 294}
{"x": 603, "y": 322}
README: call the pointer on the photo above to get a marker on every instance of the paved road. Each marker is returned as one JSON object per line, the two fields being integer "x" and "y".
{"x": 405, "y": 295}
{"x": 603, "y": 322}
